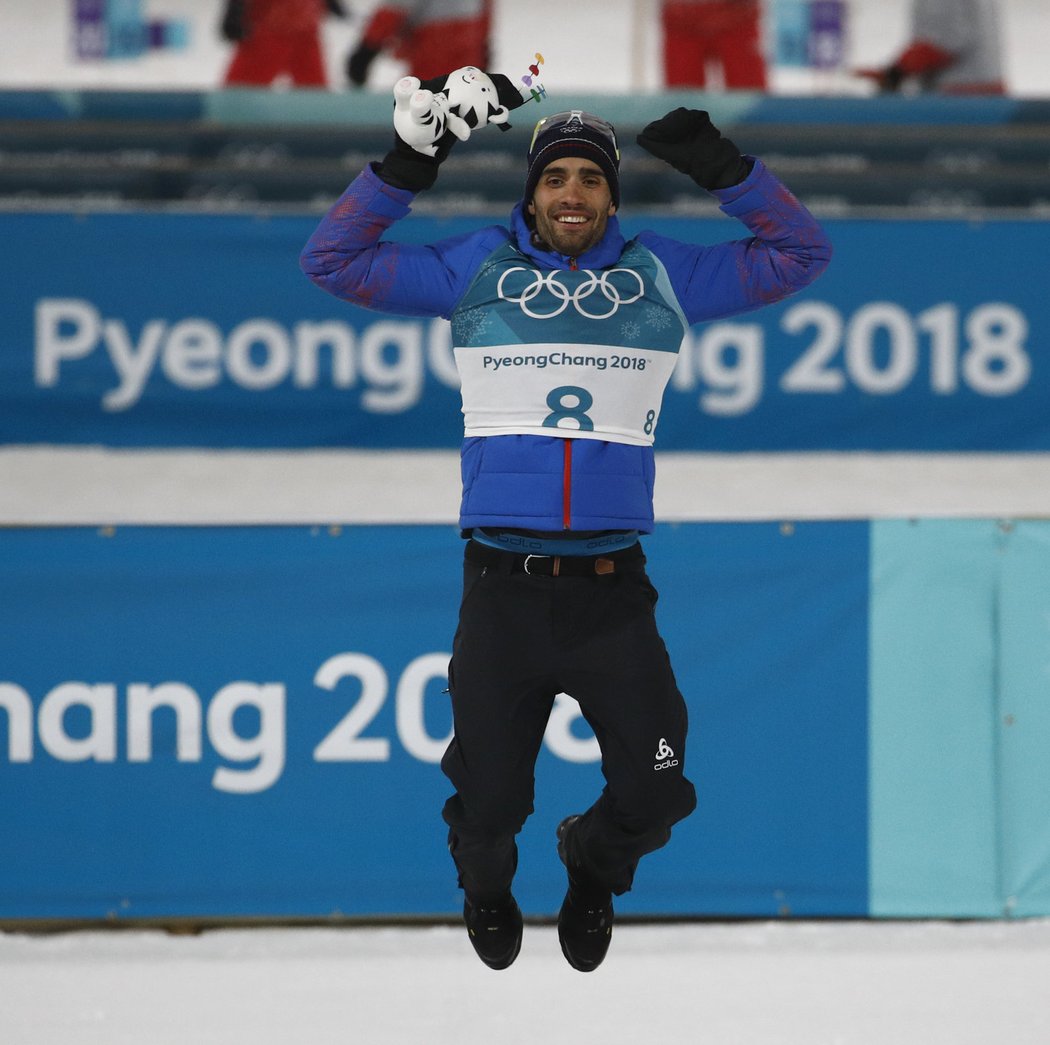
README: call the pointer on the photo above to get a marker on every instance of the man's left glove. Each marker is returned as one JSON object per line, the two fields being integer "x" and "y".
{"x": 690, "y": 142}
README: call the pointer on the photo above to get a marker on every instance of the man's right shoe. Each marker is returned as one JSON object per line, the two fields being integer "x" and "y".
{"x": 495, "y": 930}
{"x": 585, "y": 922}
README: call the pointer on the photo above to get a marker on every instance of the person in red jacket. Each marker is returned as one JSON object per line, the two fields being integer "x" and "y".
{"x": 723, "y": 33}
{"x": 275, "y": 38}
{"x": 432, "y": 36}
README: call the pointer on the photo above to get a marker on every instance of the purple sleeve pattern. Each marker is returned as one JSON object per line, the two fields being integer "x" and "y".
{"x": 347, "y": 257}
{"x": 786, "y": 252}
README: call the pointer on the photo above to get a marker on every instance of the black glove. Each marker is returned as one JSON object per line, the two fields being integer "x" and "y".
{"x": 891, "y": 79}
{"x": 887, "y": 79}
{"x": 359, "y": 62}
{"x": 406, "y": 168}
{"x": 690, "y": 142}
{"x": 234, "y": 27}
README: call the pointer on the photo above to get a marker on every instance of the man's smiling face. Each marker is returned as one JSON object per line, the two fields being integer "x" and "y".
{"x": 571, "y": 205}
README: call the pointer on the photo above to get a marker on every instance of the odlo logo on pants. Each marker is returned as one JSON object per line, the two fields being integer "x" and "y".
{"x": 664, "y": 752}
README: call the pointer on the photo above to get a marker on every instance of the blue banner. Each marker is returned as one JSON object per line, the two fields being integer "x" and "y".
{"x": 200, "y": 331}
{"x": 248, "y": 722}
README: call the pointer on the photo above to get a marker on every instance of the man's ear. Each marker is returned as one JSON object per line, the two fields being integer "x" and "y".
{"x": 612, "y": 209}
{"x": 531, "y": 207}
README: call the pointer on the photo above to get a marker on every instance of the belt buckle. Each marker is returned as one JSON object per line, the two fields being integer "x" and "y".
{"x": 555, "y": 560}
{"x": 525, "y": 565}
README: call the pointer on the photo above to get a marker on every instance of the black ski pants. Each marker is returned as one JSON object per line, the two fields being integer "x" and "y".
{"x": 522, "y": 639}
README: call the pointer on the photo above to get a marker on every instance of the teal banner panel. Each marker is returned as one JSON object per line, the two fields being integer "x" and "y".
{"x": 933, "y": 817}
{"x": 959, "y": 813}
{"x": 1022, "y": 718}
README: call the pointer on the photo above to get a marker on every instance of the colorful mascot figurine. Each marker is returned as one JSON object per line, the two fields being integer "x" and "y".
{"x": 426, "y": 111}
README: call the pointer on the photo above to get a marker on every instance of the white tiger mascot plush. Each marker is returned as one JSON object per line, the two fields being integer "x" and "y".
{"x": 424, "y": 112}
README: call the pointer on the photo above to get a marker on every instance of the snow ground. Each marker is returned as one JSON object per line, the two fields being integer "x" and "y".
{"x": 90, "y": 486}
{"x": 747, "y": 983}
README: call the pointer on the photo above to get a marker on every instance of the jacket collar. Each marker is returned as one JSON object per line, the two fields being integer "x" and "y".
{"x": 604, "y": 253}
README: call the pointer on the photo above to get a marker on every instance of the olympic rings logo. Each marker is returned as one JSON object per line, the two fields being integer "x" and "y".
{"x": 578, "y": 297}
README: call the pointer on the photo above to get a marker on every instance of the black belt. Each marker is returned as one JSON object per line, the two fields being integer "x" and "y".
{"x": 626, "y": 560}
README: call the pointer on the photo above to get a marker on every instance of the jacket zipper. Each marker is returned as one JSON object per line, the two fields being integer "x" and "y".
{"x": 566, "y": 486}
{"x": 566, "y": 516}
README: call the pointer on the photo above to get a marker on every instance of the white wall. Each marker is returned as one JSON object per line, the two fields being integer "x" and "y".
{"x": 590, "y": 45}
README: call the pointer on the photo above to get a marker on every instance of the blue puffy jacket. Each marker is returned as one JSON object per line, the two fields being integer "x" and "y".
{"x": 514, "y": 307}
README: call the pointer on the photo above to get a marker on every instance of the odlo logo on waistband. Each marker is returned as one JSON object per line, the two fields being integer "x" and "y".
{"x": 665, "y": 753}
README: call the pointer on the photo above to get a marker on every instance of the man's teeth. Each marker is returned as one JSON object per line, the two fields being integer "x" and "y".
{"x": 571, "y": 219}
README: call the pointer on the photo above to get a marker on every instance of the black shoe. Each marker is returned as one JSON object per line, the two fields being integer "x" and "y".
{"x": 495, "y": 930}
{"x": 585, "y": 921}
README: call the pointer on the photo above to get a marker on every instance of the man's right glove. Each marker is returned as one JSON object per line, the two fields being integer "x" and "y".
{"x": 430, "y": 116}
{"x": 422, "y": 111}
{"x": 690, "y": 142}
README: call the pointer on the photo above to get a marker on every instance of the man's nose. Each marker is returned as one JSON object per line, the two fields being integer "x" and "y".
{"x": 572, "y": 190}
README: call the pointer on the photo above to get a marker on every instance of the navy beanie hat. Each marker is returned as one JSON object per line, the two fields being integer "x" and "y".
{"x": 573, "y": 138}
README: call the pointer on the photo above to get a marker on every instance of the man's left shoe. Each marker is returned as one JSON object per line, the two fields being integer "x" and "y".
{"x": 585, "y": 922}
{"x": 495, "y": 930}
